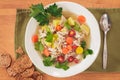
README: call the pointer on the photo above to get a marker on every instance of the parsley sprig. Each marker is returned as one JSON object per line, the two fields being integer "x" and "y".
{"x": 54, "y": 10}
{"x": 42, "y": 15}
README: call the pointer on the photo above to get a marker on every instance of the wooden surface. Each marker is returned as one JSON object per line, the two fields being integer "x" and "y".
{"x": 7, "y": 24}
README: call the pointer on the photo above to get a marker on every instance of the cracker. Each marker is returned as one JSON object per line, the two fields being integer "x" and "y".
{"x": 36, "y": 74}
{"x": 22, "y": 63}
{"x": 18, "y": 67}
{"x": 28, "y": 72}
{"x": 27, "y": 79}
{"x": 39, "y": 77}
{"x": 19, "y": 77}
{"x": 25, "y": 61}
{"x": 5, "y": 60}
{"x": 20, "y": 50}
{"x": 22, "y": 68}
{"x": 11, "y": 71}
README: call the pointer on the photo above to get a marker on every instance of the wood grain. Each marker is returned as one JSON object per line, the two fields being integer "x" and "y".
{"x": 7, "y": 24}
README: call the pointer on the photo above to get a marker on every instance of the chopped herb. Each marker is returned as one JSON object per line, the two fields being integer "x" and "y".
{"x": 58, "y": 65}
{"x": 38, "y": 12}
{"x": 39, "y": 46}
{"x": 83, "y": 44}
{"x": 49, "y": 37}
{"x": 47, "y": 61}
{"x": 65, "y": 67}
{"x": 47, "y": 29}
{"x": 67, "y": 25}
{"x": 62, "y": 65}
{"x": 87, "y": 52}
{"x": 43, "y": 15}
{"x": 36, "y": 9}
{"x": 42, "y": 18}
{"x": 54, "y": 10}
{"x": 77, "y": 27}
{"x": 90, "y": 51}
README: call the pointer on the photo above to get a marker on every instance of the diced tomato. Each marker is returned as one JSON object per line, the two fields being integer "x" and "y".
{"x": 65, "y": 50}
{"x": 60, "y": 58}
{"x": 46, "y": 52}
{"x": 58, "y": 28}
{"x": 35, "y": 38}
{"x": 81, "y": 19}
{"x": 74, "y": 47}
{"x": 70, "y": 59}
{"x": 76, "y": 60}
{"x": 71, "y": 33}
{"x": 69, "y": 40}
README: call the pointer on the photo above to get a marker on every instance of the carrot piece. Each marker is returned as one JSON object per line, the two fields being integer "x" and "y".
{"x": 81, "y": 19}
{"x": 46, "y": 52}
{"x": 65, "y": 50}
{"x": 58, "y": 28}
{"x": 69, "y": 47}
{"x": 69, "y": 40}
{"x": 35, "y": 38}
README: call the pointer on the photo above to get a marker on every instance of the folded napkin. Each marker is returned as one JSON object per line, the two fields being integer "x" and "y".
{"x": 113, "y": 38}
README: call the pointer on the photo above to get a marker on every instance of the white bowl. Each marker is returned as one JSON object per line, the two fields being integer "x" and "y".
{"x": 78, "y": 68}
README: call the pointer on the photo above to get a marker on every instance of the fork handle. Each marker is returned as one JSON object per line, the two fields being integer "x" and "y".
{"x": 105, "y": 52}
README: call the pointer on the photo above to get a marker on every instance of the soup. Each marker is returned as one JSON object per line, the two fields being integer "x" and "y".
{"x": 64, "y": 42}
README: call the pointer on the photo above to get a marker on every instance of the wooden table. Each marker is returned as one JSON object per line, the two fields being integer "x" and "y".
{"x": 7, "y": 25}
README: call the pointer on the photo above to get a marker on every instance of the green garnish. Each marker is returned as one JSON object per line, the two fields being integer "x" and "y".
{"x": 42, "y": 18}
{"x": 76, "y": 27}
{"x": 43, "y": 15}
{"x": 47, "y": 29}
{"x": 39, "y": 46}
{"x": 47, "y": 61}
{"x": 67, "y": 25}
{"x": 83, "y": 44}
{"x": 38, "y": 12}
{"x": 49, "y": 37}
{"x": 54, "y": 10}
{"x": 36, "y": 9}
{"x": 87, "y": 52}
{"x": 62, "y": 65}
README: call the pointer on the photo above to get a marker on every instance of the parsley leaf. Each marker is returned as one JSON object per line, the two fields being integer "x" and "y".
{"x": 39, "y": 46}
{"x": 67, "y": 25}
{"x": 54, "y": 10}
{"x": 49, "y": 37}
{"x": 62, "y": 65}
{"x": 36, "y": 9}
{"x": 47, "y": 61}
{"x": 58, "y": 65}
{"x": 83, "y": 44}
{"x": 42, "y": 19}
{"x": 38, "y": 12}
{"x": 76, "y": 27}
{"x": 87, "y": 52}
{"x": 43, "y": 15}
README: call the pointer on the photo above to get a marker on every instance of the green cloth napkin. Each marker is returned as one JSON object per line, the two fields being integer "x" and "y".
{"x": 113, "y": 38}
